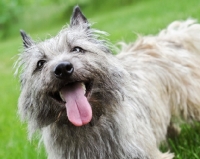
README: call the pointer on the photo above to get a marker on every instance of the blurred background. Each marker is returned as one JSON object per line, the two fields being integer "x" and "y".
{"x": 122, "y": 19}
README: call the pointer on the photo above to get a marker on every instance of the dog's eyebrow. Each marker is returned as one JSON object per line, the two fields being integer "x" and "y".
{"x": 40, "y": 54}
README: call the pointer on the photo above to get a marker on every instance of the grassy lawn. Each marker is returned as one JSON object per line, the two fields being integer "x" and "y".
{"x": 121, "y": 21}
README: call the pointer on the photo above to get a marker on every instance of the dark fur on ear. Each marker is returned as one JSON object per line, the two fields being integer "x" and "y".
{"x": 78, "y": 18}
{"x": 27, "y": 41}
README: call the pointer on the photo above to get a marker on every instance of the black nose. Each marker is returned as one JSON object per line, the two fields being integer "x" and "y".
{"x": 63, "y": 70}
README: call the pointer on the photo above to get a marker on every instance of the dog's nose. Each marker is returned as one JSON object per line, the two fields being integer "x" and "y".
{"x": 63, "y": 70}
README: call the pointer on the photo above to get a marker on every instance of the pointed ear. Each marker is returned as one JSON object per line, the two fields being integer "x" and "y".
{"x": 27, "y": 41}
{"x": 78, "y": 18}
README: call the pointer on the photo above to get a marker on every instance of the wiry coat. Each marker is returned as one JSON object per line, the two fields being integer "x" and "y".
{"x": 134, "y": 94}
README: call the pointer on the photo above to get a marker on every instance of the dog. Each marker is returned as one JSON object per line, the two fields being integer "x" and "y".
{"x": 90, "y": 104}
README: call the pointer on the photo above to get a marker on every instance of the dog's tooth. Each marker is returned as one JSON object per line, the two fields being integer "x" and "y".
{"x": 61, "y": 96}
{"x": 83, "y": 85}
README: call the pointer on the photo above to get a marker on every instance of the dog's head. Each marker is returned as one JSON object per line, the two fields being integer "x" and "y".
{"x": 72, "y": 77}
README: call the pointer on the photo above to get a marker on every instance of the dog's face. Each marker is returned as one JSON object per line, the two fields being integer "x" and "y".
{"x": 69, "y": 78}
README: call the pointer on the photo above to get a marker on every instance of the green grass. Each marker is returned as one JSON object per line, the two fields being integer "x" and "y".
{"x": 121, "y": 20}
{"x": 187, "y": 144}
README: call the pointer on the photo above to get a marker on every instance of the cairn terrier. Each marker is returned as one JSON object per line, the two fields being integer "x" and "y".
{"x": 90, "y": 104}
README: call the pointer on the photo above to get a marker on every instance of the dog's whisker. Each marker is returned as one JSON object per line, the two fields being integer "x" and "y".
{"x": 58, "y": 117}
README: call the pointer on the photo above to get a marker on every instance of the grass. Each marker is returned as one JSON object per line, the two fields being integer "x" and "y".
{"x": 187, "y": 144}
{"x": 122, "y": 22}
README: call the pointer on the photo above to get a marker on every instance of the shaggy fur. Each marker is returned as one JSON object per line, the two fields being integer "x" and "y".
{"x": 133, "y": 95}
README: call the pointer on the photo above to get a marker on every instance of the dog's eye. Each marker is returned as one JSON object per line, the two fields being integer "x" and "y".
{"x": 40, "y": 64}
{"x": 78, "y": 49}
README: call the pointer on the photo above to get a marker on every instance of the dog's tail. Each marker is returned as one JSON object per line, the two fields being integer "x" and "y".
{"x": 186, "y": 33}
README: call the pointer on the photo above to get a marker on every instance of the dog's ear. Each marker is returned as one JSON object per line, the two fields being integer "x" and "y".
{"x": 78, "y": 18}
{"x": 27, "y": 41}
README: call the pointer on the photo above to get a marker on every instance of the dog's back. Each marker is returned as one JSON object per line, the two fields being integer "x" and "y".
{"x": 167, "y": 67}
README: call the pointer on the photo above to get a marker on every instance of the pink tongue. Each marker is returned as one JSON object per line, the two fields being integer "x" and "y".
{"x": 79, "y": 111}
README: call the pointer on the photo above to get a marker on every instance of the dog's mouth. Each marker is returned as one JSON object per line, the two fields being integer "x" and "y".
{"x": 75, "y": 97}
{"x": 57, "y": 96}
